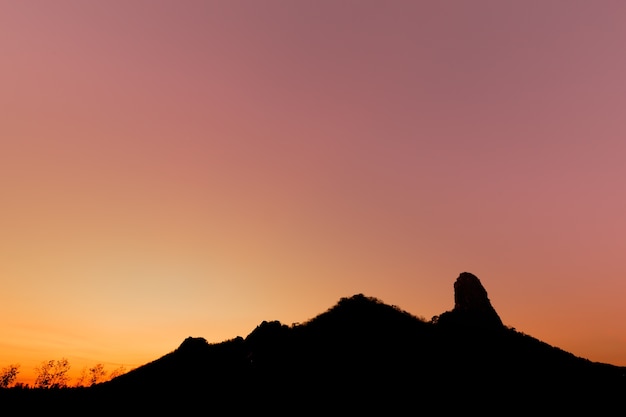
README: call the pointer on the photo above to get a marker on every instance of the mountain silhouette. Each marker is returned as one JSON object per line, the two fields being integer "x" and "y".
{"x": 363, "y": 355}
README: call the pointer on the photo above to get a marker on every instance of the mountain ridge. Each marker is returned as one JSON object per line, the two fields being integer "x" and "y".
{"x": 374, "y": 348}
{"x": 361, "y": 355}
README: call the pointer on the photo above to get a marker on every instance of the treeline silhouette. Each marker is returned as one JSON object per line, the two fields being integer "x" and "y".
{"x": 54, "y": 374}
{"x": 362, "y": 356}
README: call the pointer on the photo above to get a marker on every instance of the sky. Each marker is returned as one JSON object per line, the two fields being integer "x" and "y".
{"x": 192, "y": 168}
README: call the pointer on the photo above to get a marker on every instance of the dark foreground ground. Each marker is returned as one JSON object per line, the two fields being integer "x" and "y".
{"x": 360, "y": 356}
{"x": 369, "y": 358}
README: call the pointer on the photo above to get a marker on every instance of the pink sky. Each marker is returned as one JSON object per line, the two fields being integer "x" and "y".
{"x": 192, "y": 168}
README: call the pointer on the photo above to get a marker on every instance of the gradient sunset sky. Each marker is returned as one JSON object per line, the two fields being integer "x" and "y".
{"x": 192, "y": 168}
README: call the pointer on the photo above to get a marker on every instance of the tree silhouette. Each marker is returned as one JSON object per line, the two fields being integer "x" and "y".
{"x": 8, "y": 375}
{"x": 82, "y": 378}
{"x": 121, "y": 370}
{"x": 97, "y": 374}
{"x": 52, "y": 374}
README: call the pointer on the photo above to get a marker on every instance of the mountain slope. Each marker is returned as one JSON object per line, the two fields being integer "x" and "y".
{"x": 363, "y": 354}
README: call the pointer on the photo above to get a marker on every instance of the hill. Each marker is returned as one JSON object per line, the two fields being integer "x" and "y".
{"x": 363, "y": 355}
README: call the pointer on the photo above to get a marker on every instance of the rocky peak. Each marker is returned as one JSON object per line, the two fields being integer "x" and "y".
{"x": 470, "y": 297}
{"x": 471, "y": 304}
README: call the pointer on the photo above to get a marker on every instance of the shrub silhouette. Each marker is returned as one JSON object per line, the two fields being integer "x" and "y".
{"x": 53, "y": 374}
{"x": 8, "y": 375}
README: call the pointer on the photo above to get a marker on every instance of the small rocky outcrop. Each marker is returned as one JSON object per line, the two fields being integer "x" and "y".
{"x": 193, "y": 344}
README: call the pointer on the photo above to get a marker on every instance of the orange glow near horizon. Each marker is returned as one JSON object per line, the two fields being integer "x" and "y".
{"x": 174, "y": 169}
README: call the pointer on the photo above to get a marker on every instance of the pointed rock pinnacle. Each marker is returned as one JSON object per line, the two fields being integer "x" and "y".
{"x": 471, "y": 304}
